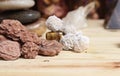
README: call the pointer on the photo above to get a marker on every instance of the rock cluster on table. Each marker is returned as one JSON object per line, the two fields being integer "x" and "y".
{"x": 72, "y": 39}
{"x": 16, "y": 41}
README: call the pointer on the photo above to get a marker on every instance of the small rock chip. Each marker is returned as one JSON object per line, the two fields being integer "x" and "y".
{"x": 30, "y": 50}
{"x": 49, "y": 48}
{"x": 9, "y": 50}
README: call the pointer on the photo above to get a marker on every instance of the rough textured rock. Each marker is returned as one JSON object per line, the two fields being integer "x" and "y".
{"x": 29, "y": 50}
{"x": 29, "y": 37}
{"x": 12, "y": 29}
{"x": 9, "y": 50}
{"x": 49, "y": 48}
{"x": 54, "y": 23}
{"x": 29, "y": 43}
{"x": 75, "y": 42}
{"x": 2, "y": 38}
{"x": 16, "y": 31}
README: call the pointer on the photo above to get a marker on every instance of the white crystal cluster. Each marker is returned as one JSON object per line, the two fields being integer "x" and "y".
{"x": 78, "y": 17}
{"x": 72, "y": 40}
{"x": 75, "y": 42}
{"x": 54, "y": 24}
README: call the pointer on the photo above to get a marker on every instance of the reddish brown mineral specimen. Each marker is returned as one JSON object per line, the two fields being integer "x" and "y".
{"x": 30, "y": 50}
{"x": 9, "y": 50}
{"x": 12, "y": 29}
{"x": 2, "y": 38}
{"x": 29, "y": 37}
{"x": 28, "y": 44}
{"x": 49, "y": 48}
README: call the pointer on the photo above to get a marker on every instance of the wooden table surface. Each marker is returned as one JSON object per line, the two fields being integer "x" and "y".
{"x": 101, "y": 59}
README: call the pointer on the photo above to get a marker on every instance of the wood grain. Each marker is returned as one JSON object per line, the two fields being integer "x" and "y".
{"x": 101, "y": 59}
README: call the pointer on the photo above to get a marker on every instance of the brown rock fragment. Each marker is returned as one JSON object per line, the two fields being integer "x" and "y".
{"x": 16, "y": 31}
{"x": 12, "y": 29}
{"x": 49, "y": 48}
{"x": 9, "y": 50}
{"x": 30, "y": 50}
{"x": 29, "y": 37}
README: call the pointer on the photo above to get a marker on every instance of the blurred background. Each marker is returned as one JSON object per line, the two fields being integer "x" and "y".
{"x": 61, "y": 7}
{"x": 33, "y": 13}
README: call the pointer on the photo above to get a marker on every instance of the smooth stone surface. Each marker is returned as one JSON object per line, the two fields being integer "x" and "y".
{"x": 24, "y": 17}
{"x": 39, "y": 27}
{"x": 16, "y": 4}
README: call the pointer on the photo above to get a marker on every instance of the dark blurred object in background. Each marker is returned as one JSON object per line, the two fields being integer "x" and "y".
{"x": 113, "y": 21}
{"x": 52, "y": 7}
{"x": 106, "y": 8}
{"x": 61, "y": 7}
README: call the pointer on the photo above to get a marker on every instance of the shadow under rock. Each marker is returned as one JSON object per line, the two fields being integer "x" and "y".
{"x": 118, "y": 45}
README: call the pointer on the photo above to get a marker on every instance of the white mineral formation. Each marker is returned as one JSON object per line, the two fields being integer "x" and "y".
{"x": 54, "y": 24}
{"x": 76, "y": 42}
{"x": 69, "y": 29}
{"x": 78, "y": 17}
{"x": 72, "y": 40}
{"x": 16, "y": 4}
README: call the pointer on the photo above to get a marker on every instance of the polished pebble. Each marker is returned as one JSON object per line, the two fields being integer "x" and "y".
{"x": 24, "y": 16}
{"x": 39, "y": 27}
{"x": 16, "y": 4}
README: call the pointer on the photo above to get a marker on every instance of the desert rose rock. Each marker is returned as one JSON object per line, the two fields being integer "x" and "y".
{"x": 9, "y": 50}
{"x": 30, "y": 50}
{"x": 49, "y": 47}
